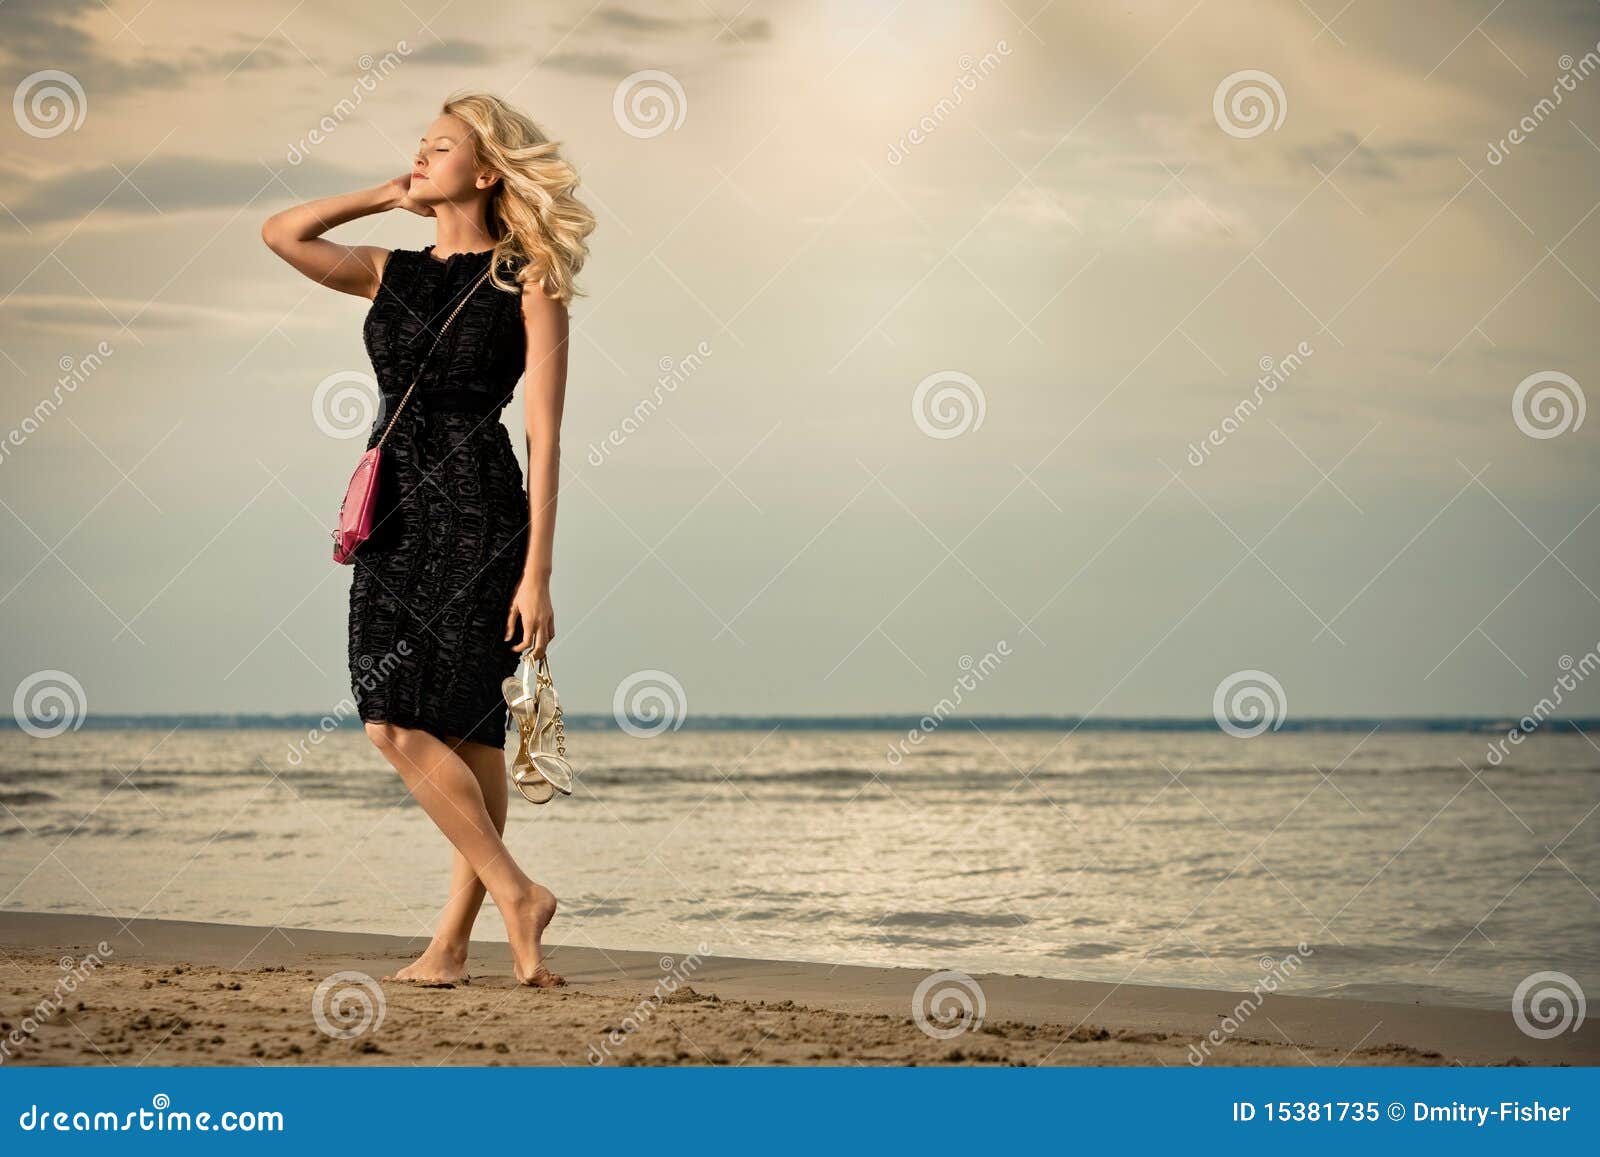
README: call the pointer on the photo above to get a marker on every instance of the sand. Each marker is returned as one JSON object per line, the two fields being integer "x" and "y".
{"x": 165, "y": 992}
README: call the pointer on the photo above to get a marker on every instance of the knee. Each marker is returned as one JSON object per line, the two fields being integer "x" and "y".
{"x": 386, "y": 737}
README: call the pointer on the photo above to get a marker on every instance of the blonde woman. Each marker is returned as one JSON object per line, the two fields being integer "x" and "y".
{"x": 455, "y": 580}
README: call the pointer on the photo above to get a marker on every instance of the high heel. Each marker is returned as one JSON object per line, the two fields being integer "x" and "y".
{"x": 530, "y": 695}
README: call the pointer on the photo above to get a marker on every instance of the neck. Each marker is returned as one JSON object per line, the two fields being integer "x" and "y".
{"x": 459, "y": 229}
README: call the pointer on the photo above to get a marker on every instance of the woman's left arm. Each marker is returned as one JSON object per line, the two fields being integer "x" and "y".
{"x": 545, "y": 388}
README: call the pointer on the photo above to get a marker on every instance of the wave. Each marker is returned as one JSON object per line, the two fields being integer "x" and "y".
{"x": 23, "y": 798}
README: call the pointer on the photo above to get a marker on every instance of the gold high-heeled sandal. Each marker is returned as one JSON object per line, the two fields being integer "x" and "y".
{"x": 537, "y": 772}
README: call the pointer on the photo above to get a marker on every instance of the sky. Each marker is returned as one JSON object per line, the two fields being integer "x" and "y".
{"x": 973, "y": 303}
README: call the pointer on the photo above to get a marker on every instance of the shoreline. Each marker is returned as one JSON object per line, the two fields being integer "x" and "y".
{"x": 592, "y": 721}
{"x": 182, "y": 992}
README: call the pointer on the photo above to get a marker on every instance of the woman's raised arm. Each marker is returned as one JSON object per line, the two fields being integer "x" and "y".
{"x": 296, "y": 236}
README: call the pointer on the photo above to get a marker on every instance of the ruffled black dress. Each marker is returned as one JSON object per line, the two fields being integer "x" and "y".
{"x": 431, "y": 589}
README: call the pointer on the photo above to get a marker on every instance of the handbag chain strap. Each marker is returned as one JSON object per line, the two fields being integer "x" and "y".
{"x": 406, "y": 397}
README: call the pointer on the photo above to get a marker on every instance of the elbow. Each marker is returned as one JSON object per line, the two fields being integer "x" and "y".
{"x": 544, "y": 445}
{"x": 272, "y": 233}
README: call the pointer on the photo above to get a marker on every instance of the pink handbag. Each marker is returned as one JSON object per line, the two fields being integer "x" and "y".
{"x": 357, "y": 511}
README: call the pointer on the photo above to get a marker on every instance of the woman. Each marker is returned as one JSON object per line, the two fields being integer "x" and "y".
{"x": 455, "y": 580}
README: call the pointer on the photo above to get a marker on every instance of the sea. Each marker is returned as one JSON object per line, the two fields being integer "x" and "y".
{"x": 1407, "y": 863}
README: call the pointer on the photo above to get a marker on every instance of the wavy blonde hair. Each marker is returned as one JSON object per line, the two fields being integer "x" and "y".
{"x": 533, "y": 213}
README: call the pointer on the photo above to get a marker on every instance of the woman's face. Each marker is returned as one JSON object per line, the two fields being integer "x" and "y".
{"x": 443, "y": 167}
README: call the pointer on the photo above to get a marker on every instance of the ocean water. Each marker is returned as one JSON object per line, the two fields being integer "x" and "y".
{"x": 1407, "y": 866}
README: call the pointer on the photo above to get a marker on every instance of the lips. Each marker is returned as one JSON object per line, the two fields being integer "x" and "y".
{"x": 419, "y": 176}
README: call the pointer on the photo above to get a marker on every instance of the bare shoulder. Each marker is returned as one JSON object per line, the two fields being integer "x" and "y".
{"x": 541, "y": 313}
{"x": 375, "y": 259}
{"x": 352, "y": 269}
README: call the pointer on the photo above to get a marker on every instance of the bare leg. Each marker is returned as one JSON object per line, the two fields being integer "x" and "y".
{"x": 440, "y": 780}
{"x": 445, "y": 958}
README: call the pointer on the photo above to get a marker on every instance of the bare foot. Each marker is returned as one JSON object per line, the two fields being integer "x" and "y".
{"x": 526, "y": 921}
{"x": 435, "y": 966}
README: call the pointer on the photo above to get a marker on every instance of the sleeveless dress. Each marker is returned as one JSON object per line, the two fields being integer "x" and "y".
{"x": 432, "y": 587}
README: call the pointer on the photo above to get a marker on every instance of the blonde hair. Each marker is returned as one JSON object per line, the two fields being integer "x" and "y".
{"x": 532, "y": 210}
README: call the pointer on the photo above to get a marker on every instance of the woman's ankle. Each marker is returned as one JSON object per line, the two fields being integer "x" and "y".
{"x": 451, "y": 949}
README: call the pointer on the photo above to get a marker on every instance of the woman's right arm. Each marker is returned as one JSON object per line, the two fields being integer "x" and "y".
{"x": 296, "y": 236}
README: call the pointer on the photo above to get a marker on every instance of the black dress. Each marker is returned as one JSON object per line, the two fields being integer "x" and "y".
{"x": 433, "y": 585}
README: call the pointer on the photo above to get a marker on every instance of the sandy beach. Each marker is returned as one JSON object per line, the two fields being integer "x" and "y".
{"x": 163, "y": 992}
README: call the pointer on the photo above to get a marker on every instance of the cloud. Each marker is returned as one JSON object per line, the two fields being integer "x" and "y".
{"x": 458, "y": 52}
{"x": 48, "y": 34}
{"x": 608, "y": 64}
{"x": 1377, "y": 162}
{"x": 165, "y": 185}
{"x": 626, "y": 24}
{"x": 105, "y": 316}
